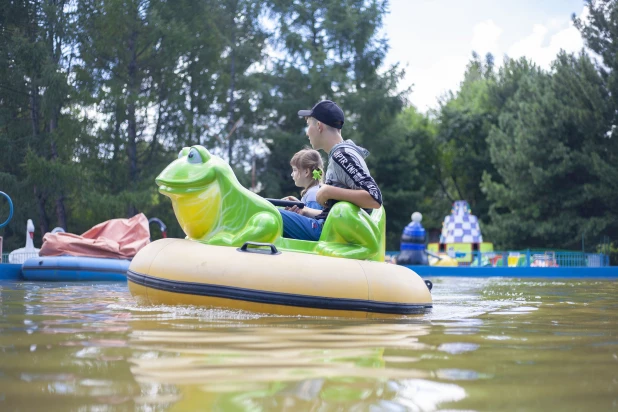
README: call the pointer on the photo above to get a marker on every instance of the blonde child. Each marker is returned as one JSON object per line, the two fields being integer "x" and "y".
{"x": 307, "y": 172}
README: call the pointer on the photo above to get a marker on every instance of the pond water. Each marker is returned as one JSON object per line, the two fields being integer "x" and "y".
{"x": 488, "y": 344}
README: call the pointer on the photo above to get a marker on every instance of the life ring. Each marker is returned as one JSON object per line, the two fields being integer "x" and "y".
{"x": 6, "y": 222}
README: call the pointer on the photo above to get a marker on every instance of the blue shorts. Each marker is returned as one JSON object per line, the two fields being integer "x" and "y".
{"x": 296, "y": 226}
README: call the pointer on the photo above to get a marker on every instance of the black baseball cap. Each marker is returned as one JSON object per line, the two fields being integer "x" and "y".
{"x": 326, "y": 112}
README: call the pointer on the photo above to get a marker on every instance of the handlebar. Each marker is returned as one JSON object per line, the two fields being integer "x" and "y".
{"x": 286, "y": 203}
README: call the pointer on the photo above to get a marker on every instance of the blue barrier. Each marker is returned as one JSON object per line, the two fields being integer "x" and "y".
{"x": 608, "y": 272}
{"x": 6, "y": 222}
{"x": 9, "y": 271}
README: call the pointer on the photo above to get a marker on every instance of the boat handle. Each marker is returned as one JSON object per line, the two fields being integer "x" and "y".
{"x": 245, "y": 248}
{"x": 429, "y": 284}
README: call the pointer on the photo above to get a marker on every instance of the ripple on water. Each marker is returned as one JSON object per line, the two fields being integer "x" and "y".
{"x": 424, "y": 395}
{"x": 87, "y": 347}
{"x": 457, "y": 347}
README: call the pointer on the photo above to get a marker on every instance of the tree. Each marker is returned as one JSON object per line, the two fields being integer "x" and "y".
{"x": 600, "y": 33}
{"x": 121, "y": 43}
{"x": 35, "y": 101}
{"x": 406, "y": 169}
{"x": 550, "y": 148}
{"x": 465, "y": 120}
{"x": 326, "y": 50}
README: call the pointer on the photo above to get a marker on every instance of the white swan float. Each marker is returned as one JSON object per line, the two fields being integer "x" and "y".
{"x": 21, "y": 255}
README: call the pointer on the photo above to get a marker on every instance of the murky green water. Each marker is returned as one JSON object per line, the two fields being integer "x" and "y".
{"x": 488, "y": 344}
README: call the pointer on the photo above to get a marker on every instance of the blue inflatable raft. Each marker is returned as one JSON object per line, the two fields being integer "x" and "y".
{"x": 75, "y": 269}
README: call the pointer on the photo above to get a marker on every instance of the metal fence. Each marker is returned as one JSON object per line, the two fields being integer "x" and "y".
{"x": 529, "y": 258}
{"x": 532, "y": 258}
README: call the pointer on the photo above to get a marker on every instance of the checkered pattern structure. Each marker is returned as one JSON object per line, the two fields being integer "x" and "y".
{"x": 460, "y": 226}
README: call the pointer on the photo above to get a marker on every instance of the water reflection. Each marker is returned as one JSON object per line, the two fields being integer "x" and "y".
{"x": 296, "y": 364}
{"x": 487, "y": 344}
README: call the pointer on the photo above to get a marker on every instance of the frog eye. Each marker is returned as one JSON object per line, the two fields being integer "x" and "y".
{"x": 184, "y": 152}
{"x": 194, "y": 156}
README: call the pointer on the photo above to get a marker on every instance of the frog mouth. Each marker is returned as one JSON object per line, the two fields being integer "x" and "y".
{"x": 177, "y": 188}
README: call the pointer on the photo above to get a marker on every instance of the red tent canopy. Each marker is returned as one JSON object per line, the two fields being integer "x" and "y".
{"x": 115, "y": 238}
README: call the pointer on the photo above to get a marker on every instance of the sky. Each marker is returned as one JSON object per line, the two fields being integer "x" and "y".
{"x": 434, "y": 39}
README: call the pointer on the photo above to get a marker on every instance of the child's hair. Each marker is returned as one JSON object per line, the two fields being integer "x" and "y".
{"x": 309, "y": 159}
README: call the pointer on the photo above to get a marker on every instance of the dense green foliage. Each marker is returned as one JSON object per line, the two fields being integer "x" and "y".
{"x": 98, "y": 96}
{"x": 551, "y": 150}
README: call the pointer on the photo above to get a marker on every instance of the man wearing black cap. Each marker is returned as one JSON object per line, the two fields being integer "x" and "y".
{"x": 347, "y": 176}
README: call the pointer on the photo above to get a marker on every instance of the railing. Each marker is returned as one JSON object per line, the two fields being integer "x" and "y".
{"x": 18, "y": 257}
{"x": 528, "y": 258}
{"x": 532, "y": 258}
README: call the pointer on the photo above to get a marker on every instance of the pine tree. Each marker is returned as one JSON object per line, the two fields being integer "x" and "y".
{"x": 122, "y": 46}
{"x": 38, "y": 124}
{"x": 551, "y": 150}
{"x": 406, "y": 170}
{"x": 326, "y": 50}
{"x": 465, "y": 120}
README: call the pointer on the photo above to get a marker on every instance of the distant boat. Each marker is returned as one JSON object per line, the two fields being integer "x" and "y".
{"x": 23, "y": 254}
{"x": 75, "y": 269}
{"x": 63, "y": 267}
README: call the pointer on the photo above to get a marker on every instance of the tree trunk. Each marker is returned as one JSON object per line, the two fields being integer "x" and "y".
{"x": 34, "y": 108}
{"x": 55, "y": 48}
{"x": 117, "y": 150}
{"x": 61, "y": 215}
{"x": 39, "y": 196}
{"x": 41, "y": 199}
{"x": 193, "y": 127}
{"x": 132, "y": 121}
{"x": 34, "y": 117}
{"x": 60, "y": 211}
{"x": 461, "y": 196}
{"x": 232, "y": 83}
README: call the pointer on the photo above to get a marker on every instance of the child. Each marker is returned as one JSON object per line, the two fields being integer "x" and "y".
{"x": 307, "y": 171}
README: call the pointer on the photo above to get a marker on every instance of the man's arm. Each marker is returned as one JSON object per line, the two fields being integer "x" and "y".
{"x": 360, "y": 198}
{"x": 353, "y": 174}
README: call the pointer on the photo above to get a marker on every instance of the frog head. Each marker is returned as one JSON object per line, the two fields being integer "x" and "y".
{"x": 192, "y": 171}
{"x": 191, "y": 183}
